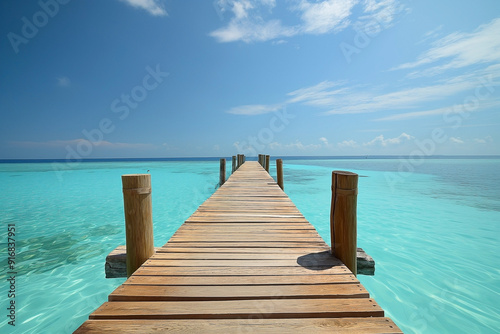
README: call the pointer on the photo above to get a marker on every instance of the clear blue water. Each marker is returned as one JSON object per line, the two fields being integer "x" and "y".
{"x": 433, "y": 232}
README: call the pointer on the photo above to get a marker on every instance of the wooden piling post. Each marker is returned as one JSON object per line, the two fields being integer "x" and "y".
{"x": 267, "y": 162}
{"x": 222, "y": 175}
{"x": 233, "y": 166}
{"x": 279, "y": 173}
{"x": 343, "y": 221}
{"x": 138, "y": 219}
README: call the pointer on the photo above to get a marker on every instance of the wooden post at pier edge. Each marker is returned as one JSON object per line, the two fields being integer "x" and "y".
{"x": 279, "y": 173}
{"x": 343, "y": 221}
{"x": 233, "y": 166}
{"x": 267, "y": 163}
{"x": 240, "y": 158}
{"x": 138, "y": 219}
{"x": 222, "y": 176}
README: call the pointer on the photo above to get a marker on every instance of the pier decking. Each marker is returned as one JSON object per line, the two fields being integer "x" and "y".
{"x": 246, "y": 261}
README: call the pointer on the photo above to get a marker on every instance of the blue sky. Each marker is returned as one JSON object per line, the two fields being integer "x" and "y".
{"x": 164, "y": 78}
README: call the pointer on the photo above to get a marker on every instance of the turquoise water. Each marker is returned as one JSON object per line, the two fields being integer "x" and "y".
{"x": 433, "y": 232}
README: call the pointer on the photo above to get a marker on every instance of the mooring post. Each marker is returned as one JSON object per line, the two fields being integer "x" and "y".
{"x": 233, "y": 166}
{"x": 267, "y": 162}
{"x": 279, "y": 173}
{"x": 137, "y": 204}
{"x": 343, "y": 221}
{"x": 222, "y": 175}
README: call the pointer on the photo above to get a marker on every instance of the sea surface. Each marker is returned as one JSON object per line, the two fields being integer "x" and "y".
{"x": 432, "y": 226}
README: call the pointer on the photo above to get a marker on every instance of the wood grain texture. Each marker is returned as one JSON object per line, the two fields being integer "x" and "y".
{"x": 246, "y": 260}
{"x": 249, "y": 325}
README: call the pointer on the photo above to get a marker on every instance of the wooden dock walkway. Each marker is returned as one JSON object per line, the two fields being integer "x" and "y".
{"x": 247, "y": 261}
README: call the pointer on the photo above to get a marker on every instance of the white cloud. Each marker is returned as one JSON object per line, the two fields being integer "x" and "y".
{"x": 249, "y": 31}
{"x": 456, "y": 140}
{"x": 380, "y": 140}
{"x": 253, "y": 109}
{"x": 324, "y": 141}
{"x": 456, "y": 108}
{"x": 487, "y": 139}
{"x": 153, "y": 7}
{"x": 63, "y": 82}
{"x": 460, "y": 50}
{"x": 347, "y": 143}
{"x": 297, "y": 145}
{"x": 379, "y": 14}
{"x": 325, "y": 16}
{"x": 252, "y": 21}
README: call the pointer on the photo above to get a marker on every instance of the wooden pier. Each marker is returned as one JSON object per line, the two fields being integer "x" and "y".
{"x": 247, "y": 261}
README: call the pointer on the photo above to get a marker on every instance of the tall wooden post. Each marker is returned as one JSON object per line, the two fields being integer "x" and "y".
{"x": 279, "y": 173}
{"x": 233, "y": 166}
{"x": 267, "y": 163}
{"x": 222, "y": 175}
{"x": 343, "y": 221}
{"x": 138, "y": 219}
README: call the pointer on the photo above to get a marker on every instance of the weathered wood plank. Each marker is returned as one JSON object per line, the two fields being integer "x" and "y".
{"x": 243, "y": 292}
{"x": 265, "y": 326}
{"x": 233, "y": 309}
{"x": 240, "y": 271}
{"x": 242, "y": 280}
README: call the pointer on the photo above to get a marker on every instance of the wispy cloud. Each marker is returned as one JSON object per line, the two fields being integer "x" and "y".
{"x": 325, "y": 16}
{"x": 153, "y": 7}
{"x": 456, "y": 140}
{"x": 381, "y": 140}
{"x": 254, "y": 109}
{"x": 324, "y": 141}
{"x": 460, "y": 50}
{"x": 456, "y": 108}
{"x": 63, "y": 82}
{"x": 347, "y": 144}
{"x": 252, "y": 21}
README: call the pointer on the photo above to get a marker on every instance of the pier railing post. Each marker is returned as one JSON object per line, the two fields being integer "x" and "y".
{"x": 233, "y": 166}
{"x": 138, "y": 219}
{"x": 343, "y": 220}
{"x": 222, "y": 176}
{"x": 279, "y": 173}
{"x": 267, "y": 163}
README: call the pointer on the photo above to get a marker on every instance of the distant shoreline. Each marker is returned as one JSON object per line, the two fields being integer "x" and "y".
{"x": 357, "y": 157}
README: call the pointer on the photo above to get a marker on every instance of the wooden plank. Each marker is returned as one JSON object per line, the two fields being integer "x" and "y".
{"x": 265, "y": 326}
{"x": 227, "y": 256}
{"x": 257, "y": 244}
{"x": 239, "y": 271}
{"x": 242, "y": 280}
{"x": 243, "y": 292}
{"x": 233, "y": 309}
{"x": 177, "y": 248}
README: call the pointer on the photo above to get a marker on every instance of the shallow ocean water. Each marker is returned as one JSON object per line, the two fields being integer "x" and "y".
{"x": 433, "y": 232}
